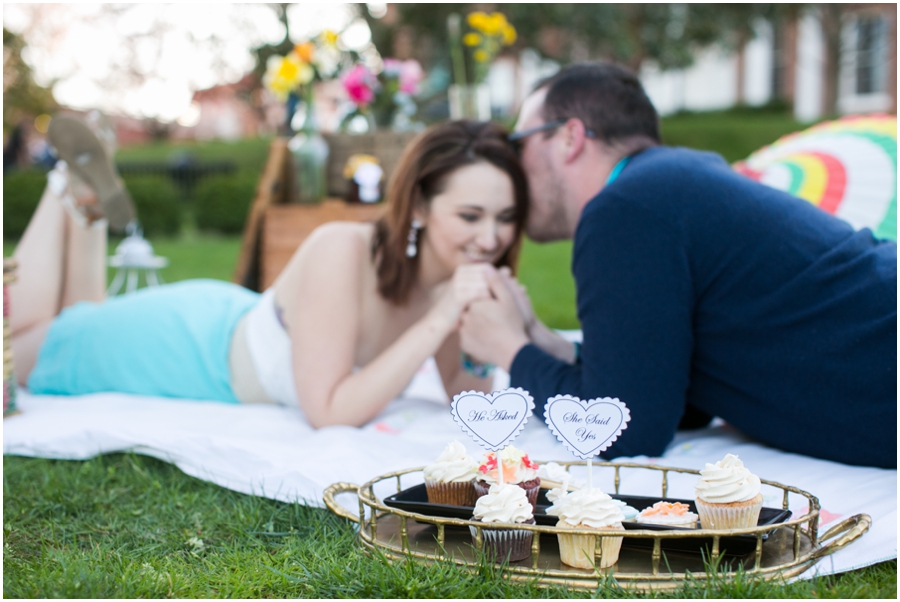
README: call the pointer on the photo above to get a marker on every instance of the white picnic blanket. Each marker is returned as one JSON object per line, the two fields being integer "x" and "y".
{"x": 272, "y": 452}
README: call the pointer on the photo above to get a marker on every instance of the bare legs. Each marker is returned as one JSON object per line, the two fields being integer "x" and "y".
{"x": 60, "y": 263}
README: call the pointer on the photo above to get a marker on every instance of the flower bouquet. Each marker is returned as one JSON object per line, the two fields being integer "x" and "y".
{"x": 383, "y": 100}
{"x": 488, "y": 34}
{"x": 291, "y": 79}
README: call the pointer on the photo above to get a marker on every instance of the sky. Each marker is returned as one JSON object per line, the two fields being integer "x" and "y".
{"x": 146, "y": 59}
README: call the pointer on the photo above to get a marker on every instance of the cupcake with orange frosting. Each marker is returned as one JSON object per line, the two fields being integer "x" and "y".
{"x": 518, "y": 469}
{"x": 669, "y": 514}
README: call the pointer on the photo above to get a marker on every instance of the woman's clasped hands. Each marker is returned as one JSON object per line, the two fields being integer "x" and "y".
{"x": 469, "y": 283}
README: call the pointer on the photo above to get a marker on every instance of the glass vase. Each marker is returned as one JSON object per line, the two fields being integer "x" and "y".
{"x": 309, "y": 154}
{"x": 472, "y": 101}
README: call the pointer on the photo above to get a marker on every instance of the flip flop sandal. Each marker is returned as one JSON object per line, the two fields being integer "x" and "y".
{"x": 62, "y": 185}
{"x": 80, "y": 148}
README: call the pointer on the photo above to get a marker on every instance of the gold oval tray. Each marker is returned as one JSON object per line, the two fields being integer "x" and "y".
{"x": 792, "y": 548}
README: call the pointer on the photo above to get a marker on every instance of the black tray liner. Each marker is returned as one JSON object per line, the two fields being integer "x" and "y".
{"x": 415, "y": 499}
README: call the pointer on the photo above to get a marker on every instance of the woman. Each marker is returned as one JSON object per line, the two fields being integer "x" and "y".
{"x": 342, "y": 331}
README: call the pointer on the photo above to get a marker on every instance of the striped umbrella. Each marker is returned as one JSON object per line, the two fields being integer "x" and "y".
{"x": 847, "y": 167}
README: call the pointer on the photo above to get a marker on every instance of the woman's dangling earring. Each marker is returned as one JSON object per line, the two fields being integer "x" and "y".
{"x": 411, "y": 249}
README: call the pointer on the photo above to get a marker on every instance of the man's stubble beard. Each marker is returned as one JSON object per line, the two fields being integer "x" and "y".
{"x": 554, "y": 224}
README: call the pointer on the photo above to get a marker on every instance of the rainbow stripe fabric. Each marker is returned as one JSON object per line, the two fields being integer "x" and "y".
{"x": 847, "y": 167}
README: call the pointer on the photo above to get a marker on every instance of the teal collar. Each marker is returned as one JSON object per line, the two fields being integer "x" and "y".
{"x": 617, "y": 170}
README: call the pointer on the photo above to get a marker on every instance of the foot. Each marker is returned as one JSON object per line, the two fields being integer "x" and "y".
{"x": 78, "y": 198}
{"x": 87, "y": 158}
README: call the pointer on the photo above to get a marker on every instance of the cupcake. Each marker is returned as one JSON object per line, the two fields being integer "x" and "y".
{"x": 670, "y": 514}
{"x": 504, "y": 504}
{"x": 595, "y": 513}
{"x": 728, "y": 495}
{"x": 552, "y": 475}
{"x": 517, "y": 470}
{"x": 627, "y": 511}
{"x": 561, "y": 483}
{"x": 450, "y": 478}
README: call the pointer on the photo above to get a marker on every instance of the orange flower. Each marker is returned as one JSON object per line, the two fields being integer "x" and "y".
{"x": 305, "y": 51}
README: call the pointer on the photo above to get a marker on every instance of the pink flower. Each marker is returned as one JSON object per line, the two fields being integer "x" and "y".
{"x": 360, "y": 84}
{"x": 410, "y": 75}
{"x": 392, "y": 67}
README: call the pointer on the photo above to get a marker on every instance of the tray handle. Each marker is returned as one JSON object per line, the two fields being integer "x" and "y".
{"x": 849, "y": 530}
{"x": 335, "y": 489}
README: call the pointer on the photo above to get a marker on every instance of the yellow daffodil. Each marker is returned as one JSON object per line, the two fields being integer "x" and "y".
{"x": 285, "y": 73}
{"x": 305, "y": 51}
{"x": 477, "y": 19}
{"x": 492, "y": 32}
{"x": 509, "y": 35}
{"x": 471, "y": 39}
{"x": 330, "y": 37}
{"x": 288, "y": 70}
{"x": 494, "y": 24}
{"x": 279, "y": 77}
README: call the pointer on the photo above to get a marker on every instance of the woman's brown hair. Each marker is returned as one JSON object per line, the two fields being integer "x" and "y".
{"x": 420, "y": 175}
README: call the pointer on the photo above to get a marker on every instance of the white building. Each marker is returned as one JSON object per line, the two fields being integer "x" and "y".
{"x": 785, "y": 61}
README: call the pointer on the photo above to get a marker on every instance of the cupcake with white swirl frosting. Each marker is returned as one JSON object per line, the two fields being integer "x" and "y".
{"x": 728, "y": 495}
{"x": 595, "y": 513}
{"x": 450, "y": 479}
{"x": 504, "y": 504}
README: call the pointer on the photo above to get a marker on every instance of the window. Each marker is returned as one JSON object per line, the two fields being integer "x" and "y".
{"x": 871, "y": 55}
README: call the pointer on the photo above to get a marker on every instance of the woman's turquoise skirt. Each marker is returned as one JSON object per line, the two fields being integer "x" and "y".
{"x": 171, "y": 341}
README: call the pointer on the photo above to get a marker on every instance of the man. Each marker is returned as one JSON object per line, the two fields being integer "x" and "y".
{"x": 700, "y": 292}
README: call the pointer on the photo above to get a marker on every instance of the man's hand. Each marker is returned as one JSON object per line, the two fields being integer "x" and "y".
{"x": 493, "y": 330}
{"x": 523, "y": 302}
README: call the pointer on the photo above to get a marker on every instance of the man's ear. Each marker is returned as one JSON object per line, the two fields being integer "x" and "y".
{"x": 575, "y": 137}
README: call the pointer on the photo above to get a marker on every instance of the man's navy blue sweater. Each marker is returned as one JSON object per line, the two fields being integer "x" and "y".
{"x": 700, "y": 288}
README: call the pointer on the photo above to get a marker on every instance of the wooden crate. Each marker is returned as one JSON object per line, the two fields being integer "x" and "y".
{"x": 275, "y": 227}
{"x": 386, "y": 146}
{"x": 286, "y": 226}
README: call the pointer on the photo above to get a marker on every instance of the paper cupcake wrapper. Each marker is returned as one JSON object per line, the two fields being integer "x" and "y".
{"x": 531, "y": 488}
{"x": 578, "y": 550}
{"x": 500, "y": 543}
{"x": 453, "y": 494}
{"x": 729, "y": 516}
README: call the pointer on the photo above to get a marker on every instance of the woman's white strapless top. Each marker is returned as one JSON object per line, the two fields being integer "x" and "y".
{"x": 270, "y": 351}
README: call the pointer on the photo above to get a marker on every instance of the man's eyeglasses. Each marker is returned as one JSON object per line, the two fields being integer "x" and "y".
{"x": 517, "y": 137}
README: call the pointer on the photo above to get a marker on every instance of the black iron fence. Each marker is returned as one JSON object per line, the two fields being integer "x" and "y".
{"x": 185, "y": 173}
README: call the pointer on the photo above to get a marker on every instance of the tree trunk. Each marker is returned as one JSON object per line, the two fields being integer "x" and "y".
{"x": 831, "y": 18}
{"x": 635, "y": 23}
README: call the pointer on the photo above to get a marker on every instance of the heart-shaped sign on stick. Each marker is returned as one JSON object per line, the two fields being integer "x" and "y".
{"x": 493, "y": 420}
{"x": 586, "y": 427}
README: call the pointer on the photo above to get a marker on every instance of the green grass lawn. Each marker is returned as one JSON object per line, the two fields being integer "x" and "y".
{"x": 129, "y": 526}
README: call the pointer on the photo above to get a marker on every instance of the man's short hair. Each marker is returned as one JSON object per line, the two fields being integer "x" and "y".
{"x": 607, "y": 98}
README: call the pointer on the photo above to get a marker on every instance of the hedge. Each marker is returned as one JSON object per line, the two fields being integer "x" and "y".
{"x": 22, "y": 190}
{"x": 221, "y": 203}
{"x": 158, "y": 203}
